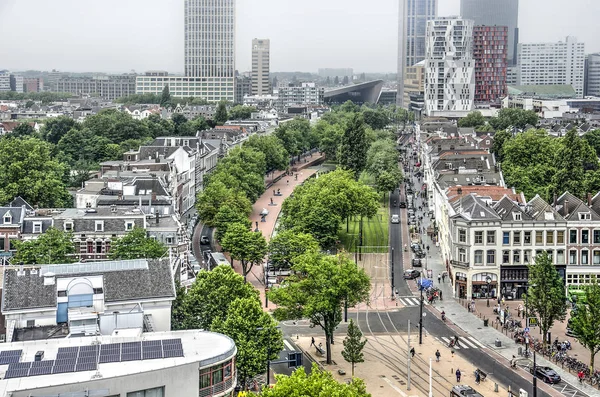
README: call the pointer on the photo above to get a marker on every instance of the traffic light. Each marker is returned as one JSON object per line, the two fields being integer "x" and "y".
{"x": 294, "y": 359}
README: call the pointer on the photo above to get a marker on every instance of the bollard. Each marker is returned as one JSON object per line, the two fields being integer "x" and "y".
{"x": 451, "y": 371}
{"x": 496, "y": 387}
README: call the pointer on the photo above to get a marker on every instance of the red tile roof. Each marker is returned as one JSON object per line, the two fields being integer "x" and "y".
{"x": 495, "y": 192}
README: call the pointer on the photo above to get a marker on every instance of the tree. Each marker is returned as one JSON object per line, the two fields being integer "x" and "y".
{"x": 240, "y": 112}
{"x": 179, "y": 314}
{"x": 585, "y": 321}
{"x": 376, "y": 119}
{"x": 136, "y": 244}
{"x": 473, "y": 119}
{"x": 244, "y": 245}
{"x": 165, "y": 98}
{"x": 116, "y": 126}
{"x": 288, "y": 245}
{"x": 330, "y": 136}
{"x": 388, "y": 180}
{"x": 573, "y": 158}
{"x": 500, "y": 138}
{"x": 27, "y": 169}
{"x": 345, "y": 80}
{"x": 221, "y": 115}
{"x": 29, "y": 104}
{"x": 23, "y": 130}
{"x": 294, "y": 135}
{"x": 211, "y": 295}
{"x": 593, "y": 138}
{"x": 276, "y": 157}
{"x": 318, "y": 383}
{"x": 354, "y": 146}
{"x": 353, "y": 345}
{"x": 546, "y": 293}
{"x": 51, "y": 247}
{"x": 179, "y": 124}
{"x": 229, "y": 216}
{"x": 55, "y": 128}
{"x": 216, "y": 195}
{"x": 513, "y": 117}
{"x": 157, "y": 126}
{"x": 254, "y": 333}
{"x": 318, "y": 288}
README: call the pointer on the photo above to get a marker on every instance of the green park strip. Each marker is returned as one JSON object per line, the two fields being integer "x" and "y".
{"x": 375, "y": 233}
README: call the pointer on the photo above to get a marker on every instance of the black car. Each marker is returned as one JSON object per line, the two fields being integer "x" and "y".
{"x": 204, "y": 240}
{"x": 402, "y": 204}
{"x": 416, "y": 262}
{"x": 546, "y": 374}
{"x": 411, "y": 274}
{"x": 464, "y": 391}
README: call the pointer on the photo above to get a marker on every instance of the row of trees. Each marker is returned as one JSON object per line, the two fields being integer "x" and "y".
{"x": 506, "y": 118}
{"x": 56, "y": 246}
{"x": 44, "y": 97}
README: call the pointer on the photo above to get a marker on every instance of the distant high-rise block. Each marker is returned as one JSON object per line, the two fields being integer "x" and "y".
{"x": 33, "y": 84}
{"x": 449, "y": 67}
{"x": 592, "y": 75}
{"x": 495, "y": 13}
{"x": 489, "y": 51}
{"x": 210, "y": 47}
{"x": 552, "y": 64}
{"x": 261, "y": 84}
{"x": 412, "y": 26}
{"x": 4, "y": 80}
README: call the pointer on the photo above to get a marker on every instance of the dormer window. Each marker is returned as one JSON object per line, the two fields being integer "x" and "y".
{"x": 129, "y": 225}
{"x": 99, "y": 226}
{"x": 68, "y": 226}
{"x": 585, "y": 216}
{"x": 7, "y": 218}
{"x": 517, "y": 216}
{"x": 37, "y": 227}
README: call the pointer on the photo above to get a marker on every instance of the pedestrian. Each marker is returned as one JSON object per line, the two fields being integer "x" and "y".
{"x": 412, "y": 351}
{"x": 458, "y": 374}
{"x": 428, "y": 250}
{"x": 443, "y": 274}
{"x": 581, "y": 376}
{"x": 437, "y": 355}
{"x": 441, "y": 296}
{"x": 439, "y": 278}
{"x": 477, "y": 377}
{"x": 312, "y": 341}
{"x": 288, "y": 181}
{"x": 320, "y": 346}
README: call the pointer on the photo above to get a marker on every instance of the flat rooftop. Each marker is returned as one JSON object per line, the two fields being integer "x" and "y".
{"x": 198, "y": 346}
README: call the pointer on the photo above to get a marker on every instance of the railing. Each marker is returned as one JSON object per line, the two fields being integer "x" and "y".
{"x": 464, "y": 265}
{"x": 219, "y": 388}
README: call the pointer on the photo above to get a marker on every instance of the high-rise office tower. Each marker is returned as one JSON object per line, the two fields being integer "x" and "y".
{"x": 210, "y": 46}
{"x": 552, "y": 64}
{"x": 489, "y": 51}
{"x": 412, "y": 24}
{"x": 495, "y": 13}
{"x": 449, "y": 67}
{"x": 592, "y": 75}
{"x": 260, "y": 67}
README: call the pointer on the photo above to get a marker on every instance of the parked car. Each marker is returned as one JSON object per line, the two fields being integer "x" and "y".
{"x": 464, "y": 391}
{"x": 402, "y": 204}
{"x": 411, "y": 274}
{"x": 416, "y": 262}
{"x": 204, "y": 240}
{"x": 395, "y": 218}
{"x": 546, "y": 374}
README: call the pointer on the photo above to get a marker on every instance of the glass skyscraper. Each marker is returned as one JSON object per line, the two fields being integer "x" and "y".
{"x": 495, "y": 13}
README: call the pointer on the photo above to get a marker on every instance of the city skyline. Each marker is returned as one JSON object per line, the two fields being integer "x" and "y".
{"x": 111, "y": 42}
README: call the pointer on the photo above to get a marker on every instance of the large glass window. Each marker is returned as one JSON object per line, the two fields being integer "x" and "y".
{"x": 479, "y": 237}
{"x": 479, "y": 257}
{"x": 491, "y": 257}
{"x": 491, "y": 237}
{"x": 155, "y": 392}
{"x": 505, "y": 238}
{"x": 585, "y": 237}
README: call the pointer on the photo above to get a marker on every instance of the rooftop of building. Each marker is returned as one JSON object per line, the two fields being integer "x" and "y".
{"x": 103, "y": 212}
{"x": 125, "y": 280}
{"x": 543, "y": 91}
{"x": 207, "y": 348}
{"x": 495, "y": 193}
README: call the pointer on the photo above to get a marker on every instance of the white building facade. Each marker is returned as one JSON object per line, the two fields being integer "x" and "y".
{"x": 260, "y": 67}
{"x": 552, "y": 64}
{"x": 449, "y": 67}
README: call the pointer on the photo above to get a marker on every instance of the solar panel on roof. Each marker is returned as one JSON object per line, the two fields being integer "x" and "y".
{"x": 70, "y": 349}
{"x": 35, "y": 371}
{"x": 110, "y": 358}
{"x": 92, "y": 348}
{"x": 131, "y": 346}
{"x": 133, "y": 356}
{"x": 171, "y": 341}
{"x": 152, "y": 354}
{"x": 5, "y": 353}
{"x": 26, "y": 364}
{"x": 66, "y": 355}
{"x": 63, "y": 368}
{"x": 44, "y": 363}
{"x": 85, "y": 367}
{"x": 16, "y": 373}
{"x": 9, "y": 360}
{"x": 90, "y": 353}
{"x": 149, "y": 343}
{"x": 174, "y": 353}
{"x": 87, "y": 359}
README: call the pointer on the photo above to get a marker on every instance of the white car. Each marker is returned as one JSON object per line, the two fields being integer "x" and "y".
{"x": 395, "y": 218}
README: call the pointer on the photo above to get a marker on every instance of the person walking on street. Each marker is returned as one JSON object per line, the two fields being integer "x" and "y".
{"x": 312, "y": 341}
{"x": 412, "y": 351}
{"x": 439, "y": 278}
{"x": 443, "y": 274}
{"x": 477, "y": 377}
{"x": 458, "y": 374}
{"x": 437, "y": 355}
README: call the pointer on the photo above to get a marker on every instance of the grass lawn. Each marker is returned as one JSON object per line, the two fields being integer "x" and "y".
{"x": 375, "y": 232}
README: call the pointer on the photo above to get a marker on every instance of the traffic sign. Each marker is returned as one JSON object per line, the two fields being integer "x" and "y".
{"x": 526, "y": 330}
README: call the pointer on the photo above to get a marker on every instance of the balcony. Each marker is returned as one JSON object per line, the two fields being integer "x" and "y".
{"x": 463, "y": 265}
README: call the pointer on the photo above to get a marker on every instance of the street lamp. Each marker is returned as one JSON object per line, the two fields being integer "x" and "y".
{"x": 488, "y": 281}
{"x": 527, "y": 318}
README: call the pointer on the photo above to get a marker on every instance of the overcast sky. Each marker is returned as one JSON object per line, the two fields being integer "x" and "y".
{"x": 124, "y": 35}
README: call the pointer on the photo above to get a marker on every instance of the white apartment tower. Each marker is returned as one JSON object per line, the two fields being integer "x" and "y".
{"x": 260, "y": 67}
{"x": 552, "y": 64}
{"x": 449, "y": 67}
{"x": 210, "y": 47}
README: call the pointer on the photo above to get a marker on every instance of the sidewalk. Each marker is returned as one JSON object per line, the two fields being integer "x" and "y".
{"x": 471, "y": 323}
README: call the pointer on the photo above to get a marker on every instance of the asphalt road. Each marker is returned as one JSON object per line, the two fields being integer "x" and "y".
{"x": 396, "y": 244}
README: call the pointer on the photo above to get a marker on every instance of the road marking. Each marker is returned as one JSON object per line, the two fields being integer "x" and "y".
{"x": 394, "y": 387}
{"x": 472, "y": 339}
{"x": 468, "y": 343}
{"x": 288, "y": 345}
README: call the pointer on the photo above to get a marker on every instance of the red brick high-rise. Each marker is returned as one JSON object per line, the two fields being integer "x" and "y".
{"x": 489, "y": 50}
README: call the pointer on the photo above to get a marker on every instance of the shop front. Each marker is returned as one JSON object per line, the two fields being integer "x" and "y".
{"x": 513, "y": 281}
{"x": 460, "y": 285}
{"x": 484, "y": 285}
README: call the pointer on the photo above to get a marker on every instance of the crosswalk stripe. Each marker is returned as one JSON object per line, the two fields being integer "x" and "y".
{"x": 445, "y": 339}
{"x": 467, "y": 343}
{"x": 472, "y": 339}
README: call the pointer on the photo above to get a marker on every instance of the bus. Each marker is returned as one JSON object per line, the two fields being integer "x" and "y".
{"x": 214, "y": 259}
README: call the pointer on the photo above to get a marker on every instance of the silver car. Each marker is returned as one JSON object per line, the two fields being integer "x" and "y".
{"x": 395, "y": 218}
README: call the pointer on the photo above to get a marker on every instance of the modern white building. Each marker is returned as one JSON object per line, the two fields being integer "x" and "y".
{"x": 260, "y": 67}
{"x": 592, "y": 75}
{"x": 299, "y": 94}
{"x": 4, "y": 80}
{"x": 16, "y": 83}
{"x": 552, "y": 64}
{"x": 449, "y": 67}
{"x": 124, "y": 364}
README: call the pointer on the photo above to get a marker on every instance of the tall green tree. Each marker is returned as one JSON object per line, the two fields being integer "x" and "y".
{"x": 180, "y": 126}
{"x": 240, "y": 112}
{"x": 217, "y": 195}
{"x": 573, "y": 159}
{"x": 244, "y": 245}
{"x": 53, "y": 246}
{"x": 500, "y": 138}
{"x": 227, "y": 217}
{"x": 23, "y": 130}
{"x": 221, "y": 115}
{"x": 295, "y": 135}
{"x": 287, "y": 245}
{"x": 473, "y": 119}
{"x": 513, "y": 117}
{"x": 354, "y": 345}
{"x": 255, "y": 335}
{"x": 165, "y": 97}
{"x": 377, "y": 119}
{"x": 135, "y": 245}
{"x": 276, "y": 157}
{"x": 318, "y": 288}
{"x": 55, "y": 128}
{"x": 354, "y": 146}
{"x": 27, "y": 169}
{"x": 179, "y": 313}
{"x": 546, "y": 293}
{"x": 593, "y": 138}
{"x": 319, "y": 383}
{"x": 585, "y": 321}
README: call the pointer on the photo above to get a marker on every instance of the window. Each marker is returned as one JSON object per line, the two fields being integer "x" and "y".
{"x": 462, "y": 255}
{"x": 491, "y": 237}
{"x": 585, "y": 237}
{"x": 560, "y": 237}
{"x": 129, "y": 225}
{"x": 572, "y": 257}
{"x": 550, "y": 255}
{"x": 560, "y": 257}
{"x": 169, "y": 240}
{"x": 491, "y": 257}
{"x": 517, "y": 216}
{"x": 479, "y": 237}
{"x": 98, "y": 290}
{"x": 62, "y": 294}
{"x": 479, "y": 257}
{"x": 585, "y": 216}
{"x": 596, "y": 236}
{"x": 516, "y": 238}
{"x": 572, "y": 236}
{"x": 584, "y": 257}
{"x": 462, "y": 236}
{"x": 505, "y": 238}
{"x": 596, "y": 257}
{"x": 2, "y": 243}
{"x": 527, "y": 238}
{"x": 155, "y": 392}
{"x": 539, "y": 237}
{"x": 99, "y": 226}
{"x": 550, "y": 237}
{"x": 505, "y": 256}
{"x": 68, "y": 226}
{"x": 516, "y": 256}
{"x": 37, "y": 227}
{"x": 7, "y": 218}
{"x": 527, "y": 256}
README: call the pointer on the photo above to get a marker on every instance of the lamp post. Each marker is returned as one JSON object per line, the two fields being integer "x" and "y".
{"x": 488, "y": 281}
{"x": 534, "y": 377}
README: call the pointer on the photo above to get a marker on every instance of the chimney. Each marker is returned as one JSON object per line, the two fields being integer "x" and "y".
{"x": 555, "y": 200}
{"x": 589, "y": 199}
{"x": 566, "y": 208}
{"x": 157, "y": 217}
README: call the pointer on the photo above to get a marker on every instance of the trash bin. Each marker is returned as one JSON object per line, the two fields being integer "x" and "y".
{"x": 498, "y": 343}
{"x": 520, "y": 351}
{"x": 485, "y": 322}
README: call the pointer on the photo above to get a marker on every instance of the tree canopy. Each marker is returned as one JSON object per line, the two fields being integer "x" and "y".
{"x": 241, "y": 112}
{"x": 585, "y": 321}
{"x": 353, "y": 345}
{"x": 135, "y": 245}
{"x": 473, "y": 119}
{"x": 53, "y": 246}
{"x": 295, "y": 136}
{"x": 354, "y": 146}
{"x": 221, "y": 115}
{"x": 287, "y": 245}
{"x": 244, "y": 245}
{"x": 513, "y": 117}
{"x": 276, "y": 157}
